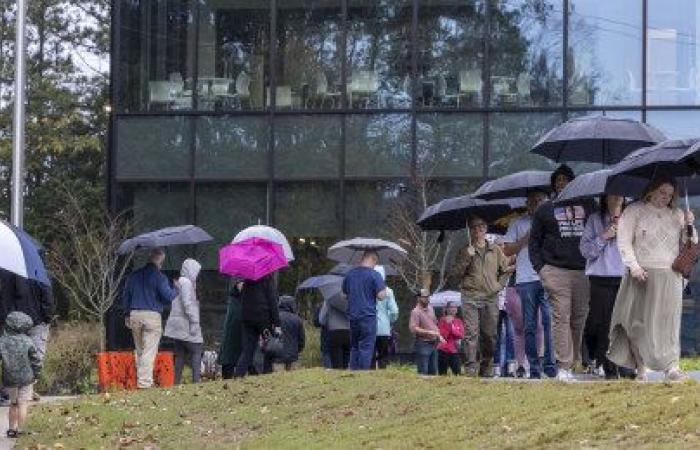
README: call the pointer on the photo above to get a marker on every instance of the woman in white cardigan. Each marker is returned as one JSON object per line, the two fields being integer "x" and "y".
{"x": 646, "y": 318}
{"x": 183, "y": 322}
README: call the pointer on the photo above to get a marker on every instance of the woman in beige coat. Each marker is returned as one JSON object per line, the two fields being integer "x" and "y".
{"x": 646, "y": 319}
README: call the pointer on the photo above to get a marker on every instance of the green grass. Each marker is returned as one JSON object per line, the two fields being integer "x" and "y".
{"x": 690, "y": 363}
{"x": 314, "y": 408}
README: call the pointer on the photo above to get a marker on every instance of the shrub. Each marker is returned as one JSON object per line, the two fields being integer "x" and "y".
{"x": 311, "y": 356}
{"x": 69, "y": 367}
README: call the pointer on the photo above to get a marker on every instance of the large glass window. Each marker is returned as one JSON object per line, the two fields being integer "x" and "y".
{"x": 605, "y": 52}
{"x": 378, "y": 52}
{"x": 307, "y": 210}
{"x": 232, "y": 148}
{"x": 512, "y": 135}
{"x": 378, "y": 145}
{"x": 526, "y": 52}
{"x": 308, "y": 55}
{"x": 307, "y": 146}
{"x": 676, "y": 124}
{"x": 156, "y": 55}
{"x": 673, "y": 52}
{"x": 153, "y": 147}
{"x": 450, "y": 145}
{"x": 369, "y": 204}
{"x": 450, "y": 53}
{"x": 233, "y": 57}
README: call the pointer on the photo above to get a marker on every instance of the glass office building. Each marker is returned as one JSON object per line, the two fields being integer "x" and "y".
{"x": 313, "y": 115}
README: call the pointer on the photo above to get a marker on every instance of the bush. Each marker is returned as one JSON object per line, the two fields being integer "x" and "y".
{"x": 69, "y": 367}
{"x": 311, "y": 356}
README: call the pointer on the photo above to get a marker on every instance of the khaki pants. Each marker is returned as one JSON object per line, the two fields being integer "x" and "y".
{"x": 480, "y": 335}
{"x": 146, "y": 328}
{"x": 569, "y": 294}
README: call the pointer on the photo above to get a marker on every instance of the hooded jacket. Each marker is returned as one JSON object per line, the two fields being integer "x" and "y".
{"x": 27, "y": 296}
{"x": 555, "y": 236}
{"x": 183, "y": 322}
{"x": 259, "y": 302}
{"x": 21, "y": 364}
{"x": 334, "y": 313}
{"x": 293, "y": 335}
{"x": 387, "y": 309}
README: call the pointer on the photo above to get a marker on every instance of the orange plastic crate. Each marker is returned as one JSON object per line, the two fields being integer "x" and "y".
{"x": 117, "y": 370}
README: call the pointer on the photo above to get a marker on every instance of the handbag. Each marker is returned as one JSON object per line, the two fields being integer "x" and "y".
{"x": 272, "y": 344}
{"x": 687, "y": 257}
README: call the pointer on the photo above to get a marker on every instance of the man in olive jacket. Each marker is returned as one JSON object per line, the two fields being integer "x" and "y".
{"x": 484, "y": 271}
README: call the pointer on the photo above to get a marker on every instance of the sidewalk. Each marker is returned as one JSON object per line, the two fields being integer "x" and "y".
{"x": 5, "y": 442}
{"x": 654, "y": 377}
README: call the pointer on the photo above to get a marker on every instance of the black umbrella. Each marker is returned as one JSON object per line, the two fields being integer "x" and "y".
{"x": 598, "y": 139}
{"x": 452, "y": 213}
{"x": 517, "y": 184}
{"x": 594, "y": 184}
{"x": 165, "y": 237}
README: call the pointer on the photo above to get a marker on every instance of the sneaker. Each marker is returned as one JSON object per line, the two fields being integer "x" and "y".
{"x": 642, "y": 375}
{"x": 674, "y": 375}
{"x": 12, "y": 434}
{"x": 520, "y": 373}
{"x": 496, "y": 372}
{"x": 566, "y": 376}
{"x": 535, "y": 375}
{"x": 551, "y": 371}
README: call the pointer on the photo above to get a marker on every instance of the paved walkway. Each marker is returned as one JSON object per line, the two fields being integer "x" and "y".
{"x": 5, "y": 442}
{"x": 654, "y": 377}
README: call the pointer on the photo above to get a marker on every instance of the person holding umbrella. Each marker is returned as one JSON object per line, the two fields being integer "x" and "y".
{"x": 645, "y": 324}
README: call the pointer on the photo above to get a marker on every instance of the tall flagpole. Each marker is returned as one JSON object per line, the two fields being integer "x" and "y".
{"x": 17, "y": 215}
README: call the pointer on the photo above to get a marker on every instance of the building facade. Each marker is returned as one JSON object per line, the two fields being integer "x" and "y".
{"x": 316, "y": 115}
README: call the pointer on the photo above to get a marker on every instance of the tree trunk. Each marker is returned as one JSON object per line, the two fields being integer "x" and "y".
{"x": 103, "y": 332}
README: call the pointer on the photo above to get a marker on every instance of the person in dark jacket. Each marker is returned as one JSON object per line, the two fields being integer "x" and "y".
{"x": 20, "y": 367}
{"x": 260, "y": 314}
{"x": 554, "y": 252}
{"x": 293, "y": 334}
{"x": 232, "y": 342}
{"x": 324, "y": 337}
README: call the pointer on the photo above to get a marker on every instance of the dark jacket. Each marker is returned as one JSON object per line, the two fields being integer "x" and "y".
{"x": 232, "y": 341}
{"x": 27, "y": 296}
{"x": 259, "y": 299}
{"x": 293, "y": 334}
{"x": 556, "y": 234}
{"x": 147, "y": 289}
{"x": 20, "y": 360}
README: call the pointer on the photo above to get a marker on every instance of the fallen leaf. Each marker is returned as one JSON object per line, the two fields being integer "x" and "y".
{"x": 675, "y": 399}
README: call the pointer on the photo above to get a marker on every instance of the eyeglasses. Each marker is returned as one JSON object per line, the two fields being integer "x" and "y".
{"x": 479, "y": 225}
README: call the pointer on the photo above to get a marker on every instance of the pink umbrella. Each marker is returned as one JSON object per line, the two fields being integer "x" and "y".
{"x": 251, "y": 259}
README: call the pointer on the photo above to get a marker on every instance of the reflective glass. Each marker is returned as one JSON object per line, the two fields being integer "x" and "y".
{"x": 526, "y": 52}
{"x": 378, "y": 145}
{"x": 676, "y": 124}
{"x": 368, "y": 204}
{"x": 378, "y": 53}
{"x": 605, "y": 61}
{"x": 307, "y": 146}
{"x": 450, "y": 144}
{"x": 307, "y": 209}
{"x": 450, "y": 53}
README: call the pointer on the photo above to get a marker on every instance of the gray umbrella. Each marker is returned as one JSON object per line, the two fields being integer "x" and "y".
{"x": 328, "y": 285}
{"x": 452, "y": 213}
{"x": 517, "y": 184}
{"x": 598, "y": 139}
{"x": 351, "y": 251}
{"x": 165, "y": 237}
{"x": 594, "y": 184}
{"x": 342, "y": 269}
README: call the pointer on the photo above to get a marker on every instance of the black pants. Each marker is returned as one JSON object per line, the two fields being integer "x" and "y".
{"x": 381, "y": 352}
{"x": 340, "y": 348}
{"x": 251, "y": 338}
{"x": 603, "y": 293}
{"x": 449, "y": 360}
{"x": 194, "y": 351}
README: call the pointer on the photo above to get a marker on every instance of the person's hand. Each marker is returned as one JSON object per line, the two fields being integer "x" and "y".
{"x": 194, "y": 329}
{"x": 610, "y": 233}
{"x": 127, "y": 322}
{"x": 278, "y": 331}
{"x": 639, "y": 274}
{"x": 176, "y": 283}
{"x": 471, "y": 251}
{"x": 689, "y": 217}
{"x": 510, "y": 269}
{"x": 442, "y": 339}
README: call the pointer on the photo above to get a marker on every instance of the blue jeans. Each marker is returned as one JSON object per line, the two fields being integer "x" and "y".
{"x": 505, "y": 349}
{"x": 533, "y": 299}
{"x": 426, "y": 357}
{"x": 363, "y": 335}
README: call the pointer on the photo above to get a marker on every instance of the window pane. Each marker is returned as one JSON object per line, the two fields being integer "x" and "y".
{"x": 673, "y": 53}
{"x": 450, "y": 144}
{"x": 156, "y": 55}
{"x": 232, "y": 147}
{"x": 308, "y": 59}
{"x": 512, "y": 135}
{"x": 450, "y": 53}
{"x": 676, "y": 124}
{"x": 368, "y": 204}
{"x": 378, "y": 53}
{"x": 526, "y": 52}
{"x": 378, "y": 145}
{"x": 307, "y": 209}
{"x": 605, "y": 66}
{"x": 153, "y": 147}
{"x": 224, "y": 209}
{"x": 233, "y": 54}
{"x": 307, "y": 146}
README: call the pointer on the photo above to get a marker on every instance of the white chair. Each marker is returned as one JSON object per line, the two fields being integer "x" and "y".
{"x": 283, "y": 97}
{"x": 160, "y": 93}
{"x": 441, "y": 91}
{"x": 365, "y": 84}
{"x": 320, "y": 90}
{"x": 470, "y": 83}
{"x": 523, "y": 87}
{"x": 242, "y": 89}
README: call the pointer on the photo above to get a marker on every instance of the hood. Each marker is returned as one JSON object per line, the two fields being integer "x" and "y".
{"x": 190, "y": 269}
{"x": 18, "y": 323}
{"x": 288, "y": 303}
{"x": 381, "y": 271}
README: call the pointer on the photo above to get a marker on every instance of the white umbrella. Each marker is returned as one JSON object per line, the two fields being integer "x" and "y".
{"x": 440, "y": 299}
{"x": 351, "y": 251}
{"x": 269, "y": 234}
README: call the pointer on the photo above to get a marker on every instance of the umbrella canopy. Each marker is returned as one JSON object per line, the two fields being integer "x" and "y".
{"x": 165, "y": 237}
{"x": 440, "y": 299}
{"x": 329, "y": 285}
{"x": 342, "y": 269}
{"x": 596, "y": 139}
{"x": 517, "y": 184}
{"x": 251, "y": 259}
{"x": 267, "y": 233}
{"x": 594, "y": 184}
{"x": 20, "y": 255}
{"x": 351, "y": 251}
{"x": 452, "y": 213}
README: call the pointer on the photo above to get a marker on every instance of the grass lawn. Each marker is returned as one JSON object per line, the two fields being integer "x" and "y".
{"x": 391, "y": 409}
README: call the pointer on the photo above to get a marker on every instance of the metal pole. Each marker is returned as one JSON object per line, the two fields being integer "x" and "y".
{"x": 17, "y": 215}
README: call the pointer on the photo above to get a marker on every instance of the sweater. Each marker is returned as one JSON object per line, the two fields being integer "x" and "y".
{"x": 147, "y": 289}
{"x": 555, "y": 236}
{"x": 602, "y": 255}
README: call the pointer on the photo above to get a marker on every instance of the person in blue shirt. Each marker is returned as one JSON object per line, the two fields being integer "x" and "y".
{"x": 146, "y": 292}
{"x": 363, "y": 286}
